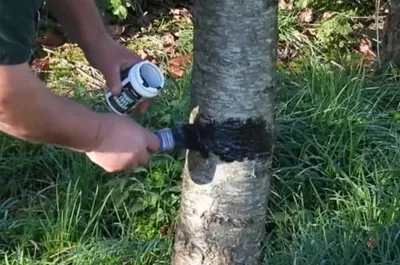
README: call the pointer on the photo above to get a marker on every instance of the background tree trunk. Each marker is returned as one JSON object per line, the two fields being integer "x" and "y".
{"x": 391, "y": 39}
{"x": 224, "y": 197}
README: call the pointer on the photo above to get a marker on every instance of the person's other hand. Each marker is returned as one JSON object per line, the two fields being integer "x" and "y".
{"x": 122, "y": 144}
{"x": 110, "y": 58}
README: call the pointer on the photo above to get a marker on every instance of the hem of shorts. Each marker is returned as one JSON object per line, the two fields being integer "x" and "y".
{"x": 12, "y": 56}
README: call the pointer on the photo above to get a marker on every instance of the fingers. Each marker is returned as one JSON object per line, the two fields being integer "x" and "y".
{"x": 143, "y": 106}
{"x": 153, "y": 143}
{"x": 131, "y": 60}
{"x": 143, "y": 159}
{"x": 140, "y": 160}
{"x": 113, "y": 77}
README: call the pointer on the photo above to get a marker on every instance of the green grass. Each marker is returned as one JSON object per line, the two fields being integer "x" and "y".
{"x": 336, "y": 172}
{"x": 335, "y": 185}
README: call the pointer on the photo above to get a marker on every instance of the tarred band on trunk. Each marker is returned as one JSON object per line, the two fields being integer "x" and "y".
{"x": 231, "y": 140}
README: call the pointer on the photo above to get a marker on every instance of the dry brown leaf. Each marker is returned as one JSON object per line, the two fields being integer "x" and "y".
{"x": 327, "y": 15}
{"x": 177, "y": 65}
{"x": 168, "y": 45}
{"x": 368, "y": 59}
{"x": 145, "y": 56}
{"x": 68, "y": 46}
{"x": 372, "y": 242}
{"x": 168, "y": 40}
{"x": 176, "y": 71}
{"x": 178, "y": 11}
{"x": 164, "y": 231}
{"x": 307, "y": 16}
{"x": 180, "y": 14}
{"x": 286, "y": 4}
{"x": 167, "y": 229}
{"x": 40, "y": 66}
{"x": 364, "y": 46}
{"x": 287, "y": 53}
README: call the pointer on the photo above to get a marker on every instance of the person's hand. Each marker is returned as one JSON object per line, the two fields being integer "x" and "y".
{"x": 122, "y": 144}
{"x": 110, "y": 58}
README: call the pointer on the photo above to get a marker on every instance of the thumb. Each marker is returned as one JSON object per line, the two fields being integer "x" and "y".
{"x": 113, "y": 79}
{"x": 153, "y": 143}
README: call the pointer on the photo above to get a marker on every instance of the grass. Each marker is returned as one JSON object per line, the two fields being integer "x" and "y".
{"x": 334, "y": 197}
{"x": 336, "y": 172}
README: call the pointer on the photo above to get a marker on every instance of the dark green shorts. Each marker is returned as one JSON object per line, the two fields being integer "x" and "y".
{"x": 17, "y": 30}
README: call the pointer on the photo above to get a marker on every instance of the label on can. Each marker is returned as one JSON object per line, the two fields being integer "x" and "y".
{"x": 167, "y": 141}
{"x": 128, "y": 97}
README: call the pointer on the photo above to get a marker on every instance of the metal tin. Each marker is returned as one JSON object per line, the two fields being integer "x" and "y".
{"x": 140, "y": 81}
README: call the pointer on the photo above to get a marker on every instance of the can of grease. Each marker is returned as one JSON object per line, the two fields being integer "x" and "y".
{"x": 167, "y": 139}
{"x": 140, "y": 81}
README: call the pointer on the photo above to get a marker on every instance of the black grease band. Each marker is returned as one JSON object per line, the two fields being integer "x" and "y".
{"x": 231, "y": 140}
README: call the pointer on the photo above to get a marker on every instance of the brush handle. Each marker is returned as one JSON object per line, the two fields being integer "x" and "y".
{"x": 166, "y": 137}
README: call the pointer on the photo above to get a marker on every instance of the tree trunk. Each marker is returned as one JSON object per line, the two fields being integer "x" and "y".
{"x": 225, "y": 189}
{"x": 391, "y": 40}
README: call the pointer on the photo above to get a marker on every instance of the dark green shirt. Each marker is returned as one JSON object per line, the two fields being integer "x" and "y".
{"x": 17, "y": 30}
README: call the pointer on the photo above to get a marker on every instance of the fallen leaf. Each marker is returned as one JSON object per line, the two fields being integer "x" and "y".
{"x": 168, "y": 40}
{"x": 307, "y": 16}
{"x": 180, "y": 14}
{"x": 286, "y": 4}
{"x": 368, "y": 59}
{"x": 178, "y": 11}
{"x": 327, "y": 15}
{"x": 68, "y": 46}
{"x": 177, "y": 65}
{"x": 364, "y": 46}
{"x": 168, "y": 45}
{"x": 145, "y": 56}
{"x": 287, "y": 54}
{"x": 51, "y": 39}
{"x": 164, "y": 231}
{"x": 371, "y": 242}
{"x": 40, "y": 67}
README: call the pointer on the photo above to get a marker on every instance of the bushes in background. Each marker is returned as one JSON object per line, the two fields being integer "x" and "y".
{"x": 117, "y": 10}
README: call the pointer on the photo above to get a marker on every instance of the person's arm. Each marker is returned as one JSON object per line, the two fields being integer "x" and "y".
{"x": 29, "y": 110}
{"x": 80, "y": 19}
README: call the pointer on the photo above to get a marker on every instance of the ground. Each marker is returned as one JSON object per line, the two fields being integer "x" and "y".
{"x": 335, "y": 186}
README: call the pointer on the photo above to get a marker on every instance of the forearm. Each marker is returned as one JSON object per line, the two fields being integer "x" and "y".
{"x": 80, "y": 19}
{"x": 35, "y": 114}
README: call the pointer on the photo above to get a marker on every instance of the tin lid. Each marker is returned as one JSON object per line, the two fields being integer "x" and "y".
{"x": 146, "y": 78}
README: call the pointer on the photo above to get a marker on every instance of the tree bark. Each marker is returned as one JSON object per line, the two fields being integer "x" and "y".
{"x": 224, "y": 195}
{"x": 391, "y": 39}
